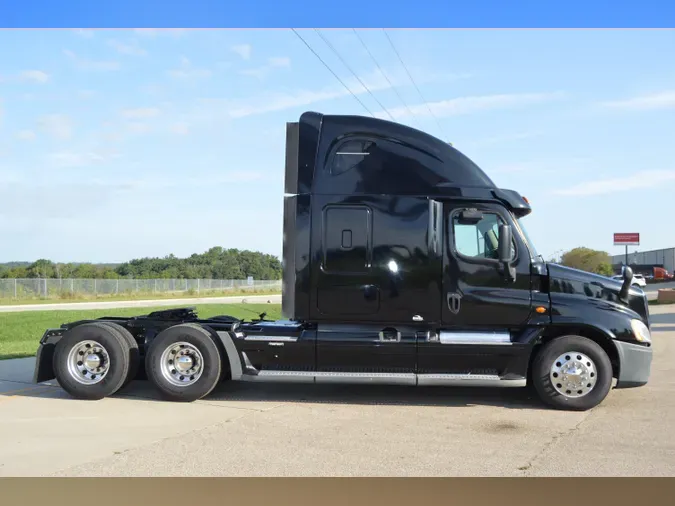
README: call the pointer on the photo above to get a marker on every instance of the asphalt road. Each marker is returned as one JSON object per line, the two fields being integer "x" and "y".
{"x": 251, "y": 299}
{"x": 653, "y": 290}
{"x": 297, "y": 430}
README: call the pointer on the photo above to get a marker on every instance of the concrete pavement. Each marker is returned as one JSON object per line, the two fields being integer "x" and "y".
{"x": 326, "y": 430}
{"x": 250, "y": 299}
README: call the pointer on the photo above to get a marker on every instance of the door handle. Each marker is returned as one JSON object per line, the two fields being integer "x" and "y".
{"x": 454, "y": 302}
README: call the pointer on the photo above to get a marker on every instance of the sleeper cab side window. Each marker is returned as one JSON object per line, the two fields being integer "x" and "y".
{"x": 349, "y": 155}
{"x": 477, "y": 237}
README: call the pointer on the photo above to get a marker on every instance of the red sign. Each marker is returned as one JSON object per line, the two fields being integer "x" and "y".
{"x": 626, "y": 239}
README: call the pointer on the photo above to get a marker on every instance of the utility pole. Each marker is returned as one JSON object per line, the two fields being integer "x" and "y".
{"x": 626, "y": 255}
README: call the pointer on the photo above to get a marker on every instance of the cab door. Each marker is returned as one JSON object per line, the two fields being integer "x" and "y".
{"x": 477, "y": 291}
{"x": 481, "y": 307}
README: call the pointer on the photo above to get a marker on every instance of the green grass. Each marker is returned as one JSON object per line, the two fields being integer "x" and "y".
{"x": 67, "y": 297}
{"x": 20, "y": 332}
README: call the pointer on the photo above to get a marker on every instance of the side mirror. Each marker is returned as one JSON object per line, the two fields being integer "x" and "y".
{"x": 504, "y": 251}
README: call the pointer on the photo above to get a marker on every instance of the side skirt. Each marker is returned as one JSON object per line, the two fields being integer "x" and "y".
{"x": 242, "y": 370}
{"x": 411, "y": 379}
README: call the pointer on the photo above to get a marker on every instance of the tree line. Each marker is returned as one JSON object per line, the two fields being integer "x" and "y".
{"x": 587, "y": 259}
{"x": 220, "y": 263}
{"x": 216, "y": 263}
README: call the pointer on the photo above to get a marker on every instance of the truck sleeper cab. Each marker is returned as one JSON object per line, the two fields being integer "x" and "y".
{"x": 403, "y": 264}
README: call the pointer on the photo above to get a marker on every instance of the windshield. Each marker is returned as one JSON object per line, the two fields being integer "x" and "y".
{"x": 530, "y": 244}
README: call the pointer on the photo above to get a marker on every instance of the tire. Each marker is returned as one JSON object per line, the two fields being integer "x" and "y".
{"x": 201, "y": 352}
{"x": 134, "y": 352}
{"x": 558, "y": 394}
{"x": 74, "y": 376}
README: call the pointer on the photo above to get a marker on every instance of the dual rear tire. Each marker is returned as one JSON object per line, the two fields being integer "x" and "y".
{"x": 184, "y": 363}
{"x": 97, "y": 359}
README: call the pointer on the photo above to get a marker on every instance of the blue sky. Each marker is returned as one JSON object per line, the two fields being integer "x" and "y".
{"x": 117, "y": 144}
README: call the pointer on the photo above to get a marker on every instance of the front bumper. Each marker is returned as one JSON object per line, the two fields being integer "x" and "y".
{"x": 635, "y": 363}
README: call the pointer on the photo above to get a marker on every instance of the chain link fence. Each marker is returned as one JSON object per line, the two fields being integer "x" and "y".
{"x": 75, "y": 288}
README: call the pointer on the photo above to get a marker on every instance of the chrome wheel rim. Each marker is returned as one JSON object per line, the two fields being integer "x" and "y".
{"x": 88, "y": 362}
{"x": 573, "y": 374}
{"x": 182, "y": 364}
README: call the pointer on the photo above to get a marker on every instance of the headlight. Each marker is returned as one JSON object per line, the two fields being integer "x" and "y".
{"x": 641, "y": 331}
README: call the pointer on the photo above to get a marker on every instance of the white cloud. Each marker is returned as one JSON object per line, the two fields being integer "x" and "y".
{"x": 188, "y": 72}
{"x": 279, "y": 101}
{"x": 58, "y": 126}
{"x": 261, "y": 72}
{"x": 232, "y": 177}
{"x": 36, "y": 76}
{"x": 216, "y": 109}
{"x": 280, "y": 61}
{"x": 73, "y": 159}
{"x": 642, "y": 179}
{"x": 125, "y": 48}
{"x": 25, "y": 135}
{"x": 375, "y": 81}
{"x": 501, "y": 139}
{"x": 84, "y": 33}
{"x": 141, "y": 113}
{"x": 94, "y": 65}
{"x": 545, "y": 166}
{"x": 241, "y": 176}
{"x": 655, "y": 101}
{"x": 138, "y": 128}
{"x": 86, "y": 93}
{"x": 180, "y": 128}
{"x": 258, "y": 73}
{"x": 243, "y": 50}
{"x": 472, "y": 104}
{"x": 151, "y": 89}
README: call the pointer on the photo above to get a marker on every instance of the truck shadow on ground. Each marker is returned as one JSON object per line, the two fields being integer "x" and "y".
{"x": 367, "y": 395}
{"x": 379, "y": 395}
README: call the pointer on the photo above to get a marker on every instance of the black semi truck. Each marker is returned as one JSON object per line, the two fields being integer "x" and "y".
{"x": 403, "y": 264}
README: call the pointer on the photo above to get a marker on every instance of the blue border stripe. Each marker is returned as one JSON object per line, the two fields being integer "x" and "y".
{"x": 345, "y": 13}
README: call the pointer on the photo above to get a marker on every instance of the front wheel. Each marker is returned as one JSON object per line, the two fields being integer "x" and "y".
{"x": 572, "y": 373}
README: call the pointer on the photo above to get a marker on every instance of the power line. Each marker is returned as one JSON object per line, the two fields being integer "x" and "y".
{"x": 331, "y": 71}
{"x": 385, "y": 75}
{"x": 353, "y": 73}
{"x": 413, "y": 81}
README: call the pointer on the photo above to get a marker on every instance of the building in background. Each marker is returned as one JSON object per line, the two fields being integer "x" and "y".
{"x": 644, "y": 260}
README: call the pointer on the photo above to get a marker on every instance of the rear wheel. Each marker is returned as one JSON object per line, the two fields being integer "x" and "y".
{"x": 184, "y": 363}
{"x": 572, "y": 372}
{"x": 91, "y": 361}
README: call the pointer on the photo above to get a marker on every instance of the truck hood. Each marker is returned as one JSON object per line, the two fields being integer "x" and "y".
{"x": 586, "y": 284}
